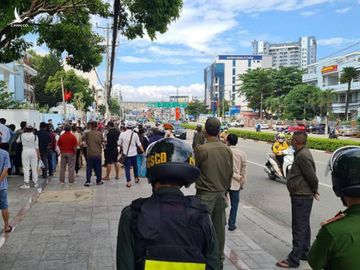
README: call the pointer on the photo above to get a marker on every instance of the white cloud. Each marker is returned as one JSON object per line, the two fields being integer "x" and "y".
{"x": 157, "y": 92}
{"x": 308, "y": 13}
{"x": 136, "y": 75}
{"x": 336, "y": 41}
{"x": 343, "y": 10}
{"x": 133, "y": 59}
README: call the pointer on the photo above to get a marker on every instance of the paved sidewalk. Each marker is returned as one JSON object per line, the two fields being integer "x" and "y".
{"x": 73, "y": 227}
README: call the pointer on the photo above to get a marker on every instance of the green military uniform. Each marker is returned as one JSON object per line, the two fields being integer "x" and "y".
{"x": 215, "y": 161}
{"x": 337, "y": 246}
{"x": 199, "y": 139}
{"x": 125, "y": 251}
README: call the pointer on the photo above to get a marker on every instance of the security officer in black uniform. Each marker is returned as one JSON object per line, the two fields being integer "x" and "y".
{"x": 337, "y": 245}
{"x": 167, "y": 230}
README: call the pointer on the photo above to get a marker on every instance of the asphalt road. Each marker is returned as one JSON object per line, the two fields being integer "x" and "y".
{"x": 271, "y": 198}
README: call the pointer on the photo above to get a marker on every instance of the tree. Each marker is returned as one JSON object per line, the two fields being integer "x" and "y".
{"x": 325, "y": 101}
{"x": 196, "y": 108}
{"x": 285, "y": 79}
{"x": 349, "y": 74}
{"x": 46, "y": 66}
{"x": 6, "y": 98}
{"x": 257, "y": 85}
{"x": 62, "y": 25}
{"x": 114, "y": 106}
{"x": 302, "y": 102}
{"x": 102, "y": 109}
{"x": 72, "y": 82}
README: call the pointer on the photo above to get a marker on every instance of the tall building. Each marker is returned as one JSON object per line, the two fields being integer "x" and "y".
{"x": 294, "y": 54}
{"x": 326, "y": 74}
{"x": 221, "y": 78}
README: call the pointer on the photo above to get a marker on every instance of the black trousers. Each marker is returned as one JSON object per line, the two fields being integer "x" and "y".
{"x": 301, "y": 232}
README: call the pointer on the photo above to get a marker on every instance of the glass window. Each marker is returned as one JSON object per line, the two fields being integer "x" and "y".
{"x": 233, "y": 80}
{"x": 234, "y": 71}
{"x": 234, "y": 88}
{"x": 249, "y": 63}
{"x": 234, "y": 63}
{"x": 233, "y": 96}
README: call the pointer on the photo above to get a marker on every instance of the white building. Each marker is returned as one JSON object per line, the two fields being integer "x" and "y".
{"x": 326, "y": 74}
{"x": 294, "y": 54}
{"x": 221, "y": 78}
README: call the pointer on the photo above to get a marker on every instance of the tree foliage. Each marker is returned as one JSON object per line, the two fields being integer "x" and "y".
{"x": 72, "y": 82}
{"x": 196, "y": 108}
{"x": 257, "y": 85}
{"x": 348, "y": 75}
{"x": 46, "y": 66}
{"x": 62, "y": 25}
{"x": 138, "y": 16}
{"x": 6, "y": 98}
{"x": 114, "y": 106}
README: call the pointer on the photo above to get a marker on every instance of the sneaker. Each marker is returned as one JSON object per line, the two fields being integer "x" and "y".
{"x": 87, "y": 184}
{"x": 100, "y": 183}
{"x": 25, "y": 186}
{"x": 36, "y": 185}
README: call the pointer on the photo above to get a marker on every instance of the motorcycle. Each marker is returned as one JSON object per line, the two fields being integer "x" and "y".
{"x": 333, "y": 134}
{"x": 272, "y": 165}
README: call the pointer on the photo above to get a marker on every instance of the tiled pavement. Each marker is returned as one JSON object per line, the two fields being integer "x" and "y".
{"x": 73, "y": 227}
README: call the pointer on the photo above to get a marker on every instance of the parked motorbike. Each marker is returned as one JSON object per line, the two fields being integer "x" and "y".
{"x": 272, "y": 165}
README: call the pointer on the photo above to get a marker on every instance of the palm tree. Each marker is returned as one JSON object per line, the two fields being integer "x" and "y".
{"x": 349, "y": 74}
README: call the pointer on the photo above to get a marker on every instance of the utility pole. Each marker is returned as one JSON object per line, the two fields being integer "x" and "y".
{"x": 63, "y": 96}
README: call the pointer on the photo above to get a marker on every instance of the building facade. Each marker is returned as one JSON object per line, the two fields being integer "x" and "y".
{"x": 221, "y": 78}
{"x": 326, "y": 74}
{"x": 17, "y": 76}
{"x": 293, "y": 54}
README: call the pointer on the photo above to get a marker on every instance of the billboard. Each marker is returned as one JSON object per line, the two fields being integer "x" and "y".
{"x": 240, "y": 57}
{"x": 328, "y": 69}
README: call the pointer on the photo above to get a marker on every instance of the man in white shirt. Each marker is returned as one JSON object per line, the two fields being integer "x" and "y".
{"x": 129, "y": 142}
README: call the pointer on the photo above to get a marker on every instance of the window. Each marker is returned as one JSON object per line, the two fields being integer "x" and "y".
{"x": 234, "y": 88}
{"x": 234, "y": 63}
{"x": 233, "y": 80}
{"x": 233, "y": 96}
{"x": 249, "y": 63}
{"x": 234, "y": 72}
{"x": 342, "y": 98}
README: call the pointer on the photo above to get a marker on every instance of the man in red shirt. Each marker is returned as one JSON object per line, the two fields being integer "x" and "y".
{"x": 67, "y": 144}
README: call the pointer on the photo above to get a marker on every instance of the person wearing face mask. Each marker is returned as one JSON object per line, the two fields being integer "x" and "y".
{"x": 279, "y": 147}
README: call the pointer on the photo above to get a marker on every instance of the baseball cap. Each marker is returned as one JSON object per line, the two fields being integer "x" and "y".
{"x": 212, "y": 126}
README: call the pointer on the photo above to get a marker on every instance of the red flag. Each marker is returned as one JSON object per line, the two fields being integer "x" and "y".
{"x": 67, "y": 95}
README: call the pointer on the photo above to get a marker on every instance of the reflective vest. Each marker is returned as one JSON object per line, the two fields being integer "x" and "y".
{"x": 170, "y": 232}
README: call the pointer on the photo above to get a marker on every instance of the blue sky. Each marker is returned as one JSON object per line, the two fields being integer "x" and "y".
{"x": 148, "y": 70}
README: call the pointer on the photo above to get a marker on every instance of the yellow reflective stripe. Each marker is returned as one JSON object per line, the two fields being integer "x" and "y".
{"x": 162, "y": 265}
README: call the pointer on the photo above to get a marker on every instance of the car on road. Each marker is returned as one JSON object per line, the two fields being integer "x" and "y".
{"x": 317, "y": 129}
{"x": 298, "y": 128}
{"x": 279, "y": 126}
{"x": 179, "y": 132}
{"x": 238, "y": 123}
{"x": 347, "y": 130}
{"x": 263, "y": 126}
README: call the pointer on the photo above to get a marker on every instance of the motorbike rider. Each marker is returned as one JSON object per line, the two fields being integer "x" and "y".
{"x": 168, "y": 230}
{"x": 279, "y": 147}
{"x": 337, "y": 245}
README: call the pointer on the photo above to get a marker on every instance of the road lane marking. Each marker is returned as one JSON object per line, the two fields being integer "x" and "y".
{"x": 263, "y": 166}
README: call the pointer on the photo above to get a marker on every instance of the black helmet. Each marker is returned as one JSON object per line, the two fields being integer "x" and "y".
{"x": 171, "y": 159}
{"x": 199, "y": 127}
{"x": 344, "y": 165}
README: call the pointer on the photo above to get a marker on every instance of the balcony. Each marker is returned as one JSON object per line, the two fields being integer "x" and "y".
{"x": 342, "y": 87}
{"x": 340, "y": 107}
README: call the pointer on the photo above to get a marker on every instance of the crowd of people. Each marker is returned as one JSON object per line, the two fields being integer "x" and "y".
{"x": 169, "y": 230}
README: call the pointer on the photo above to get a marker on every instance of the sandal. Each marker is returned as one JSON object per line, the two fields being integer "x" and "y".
{"x": 137, "y": 180}
{"x": 9, "y": 230}
{"x": 128, "y": 185}
{"x": 283, "y": 264}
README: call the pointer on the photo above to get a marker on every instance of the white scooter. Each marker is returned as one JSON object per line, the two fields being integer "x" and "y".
{"x": 272, "y": 165}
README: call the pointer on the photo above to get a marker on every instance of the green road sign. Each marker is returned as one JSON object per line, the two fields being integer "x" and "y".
{"x": 167, "y": 104}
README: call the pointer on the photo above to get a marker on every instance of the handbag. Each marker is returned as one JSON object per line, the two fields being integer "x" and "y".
{"x": 124, "y": 156}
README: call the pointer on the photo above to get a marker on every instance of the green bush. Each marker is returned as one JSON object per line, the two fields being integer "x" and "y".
{"x": 313, "y": 143}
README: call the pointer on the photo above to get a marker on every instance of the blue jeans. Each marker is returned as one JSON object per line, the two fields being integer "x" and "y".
{"x": 234, "y": 200}
{"x": 131, "y": 161}
{"x": 51, "y": 155}
{"x": 93, "y": 163}
{"x": 141, "y": 163}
